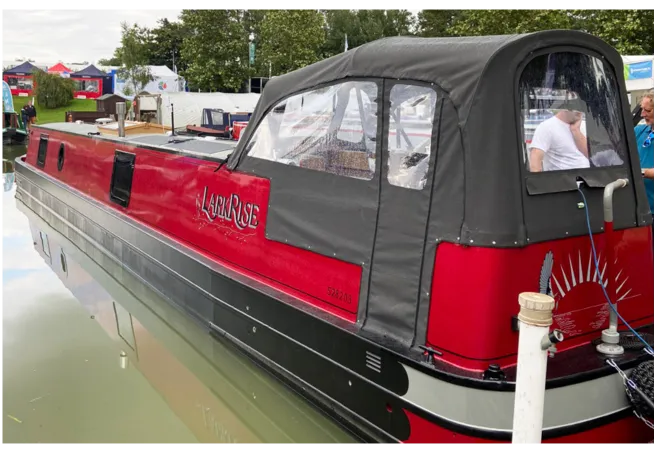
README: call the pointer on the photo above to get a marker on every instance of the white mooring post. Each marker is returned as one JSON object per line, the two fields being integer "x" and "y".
{"x": 535, "y": 344}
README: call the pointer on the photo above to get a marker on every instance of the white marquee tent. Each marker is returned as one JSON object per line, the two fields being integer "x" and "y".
{"x": 165, "y": 81}
{"x": 188, "y": 106}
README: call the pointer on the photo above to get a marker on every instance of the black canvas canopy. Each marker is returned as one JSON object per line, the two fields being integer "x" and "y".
{"x": 89, "y": 71}
{"x": 482, "y": 191}
{"x": 23, "y": 68}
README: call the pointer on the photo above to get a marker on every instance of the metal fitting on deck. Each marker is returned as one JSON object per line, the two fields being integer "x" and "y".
{"x": 552, "y": 338}
{"x": 120, "y": 113}
{"x": 608, "y": 212}
{"x": 549, "y": 340}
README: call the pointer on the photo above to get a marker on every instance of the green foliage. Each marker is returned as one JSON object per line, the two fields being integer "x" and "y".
{"x": 215, "y": 48}
{"x": 52, "y": 90}
{"x": 211, "y": 46}
{"x": 113, "y": 61}
{"x": 504, "y": 22}
{"x": 432, "y": 22}
{"x": 165, "y": 45}
{"x": 629, "y": 31}
{"x": 291, "y": 39}
{"x": 253, "y": 24}
{"x": 363, "y": 26}
{"x": 340, "y": 23}
{"x": 133, "y": 54}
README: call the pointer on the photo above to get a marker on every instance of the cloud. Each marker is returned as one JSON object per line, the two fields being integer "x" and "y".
{"x": 73, "y": 35}
{"x": 70, "y": 35}
{"x": 18, "y": 251}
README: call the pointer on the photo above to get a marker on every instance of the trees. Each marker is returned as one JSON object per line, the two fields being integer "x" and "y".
{"x": 211, "y": 46}
{"x": 165, "y": 45}
{"x": 52, "y": 90}
{"x": 362, "y": 26}
{"x": 133, "y": 55}
{"x": 629, "y": 31}
{"x": 215, "y": 49}
{"x": 291, "y": 39}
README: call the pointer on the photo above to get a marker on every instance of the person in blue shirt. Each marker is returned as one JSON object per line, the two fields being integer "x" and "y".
{"x": 644, "y": 134}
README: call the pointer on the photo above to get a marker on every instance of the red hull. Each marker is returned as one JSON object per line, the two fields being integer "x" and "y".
{"x": 626, "y": 430}
{"x": 581, "y": 310}
{"x": 164, "y": 188}
{"x": 167, "y": 185}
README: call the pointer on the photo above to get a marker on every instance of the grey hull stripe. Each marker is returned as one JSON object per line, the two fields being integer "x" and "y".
{"x": 465, "y": 406}
{"x": 493, "y": 410}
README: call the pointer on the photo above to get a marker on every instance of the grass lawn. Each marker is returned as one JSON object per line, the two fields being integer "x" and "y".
{"x": 44, "y": 115}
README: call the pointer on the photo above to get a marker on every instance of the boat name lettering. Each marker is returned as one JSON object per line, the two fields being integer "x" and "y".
{"x": 230, "y": 208}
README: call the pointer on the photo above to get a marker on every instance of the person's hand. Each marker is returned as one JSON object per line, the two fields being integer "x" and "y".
{"x": 648, "y": 173}
{"x": 575, "y": 126}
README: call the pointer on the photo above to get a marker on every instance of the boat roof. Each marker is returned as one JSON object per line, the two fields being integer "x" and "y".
{"x": 463, "y": 67}
{"x": 215, "y": 149}
{"x": 480, "y": 173}
{"x": 481, "y": 184}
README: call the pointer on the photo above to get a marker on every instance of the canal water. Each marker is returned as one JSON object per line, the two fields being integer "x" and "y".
{"x": 89, "y": 359}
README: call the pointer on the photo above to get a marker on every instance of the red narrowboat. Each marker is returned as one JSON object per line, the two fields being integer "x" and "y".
{"x": 367, "y": 238}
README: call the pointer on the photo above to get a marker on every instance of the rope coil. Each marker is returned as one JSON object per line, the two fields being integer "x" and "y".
{"x": 642, "y": 378}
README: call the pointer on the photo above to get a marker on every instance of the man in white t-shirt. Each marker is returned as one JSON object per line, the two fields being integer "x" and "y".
{"x": 560, "y": 143}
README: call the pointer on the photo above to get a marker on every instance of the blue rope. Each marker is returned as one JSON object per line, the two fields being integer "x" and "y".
{"x": 593, "y": 249}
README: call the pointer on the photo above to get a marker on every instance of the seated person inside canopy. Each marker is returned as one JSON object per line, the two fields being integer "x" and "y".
{"x": 560, "y": 143}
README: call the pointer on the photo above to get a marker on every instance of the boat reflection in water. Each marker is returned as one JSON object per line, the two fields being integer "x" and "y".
{"x": 217, "y": 392}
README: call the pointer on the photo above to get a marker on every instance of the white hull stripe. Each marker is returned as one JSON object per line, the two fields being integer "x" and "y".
{"x": 494, "y": 410}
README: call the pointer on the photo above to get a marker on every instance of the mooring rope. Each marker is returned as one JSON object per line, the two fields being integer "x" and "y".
{"x": 639, "y": 389}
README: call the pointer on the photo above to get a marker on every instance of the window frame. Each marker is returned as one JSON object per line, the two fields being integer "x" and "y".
{"x": 378, "y": 81}
{"x": 550, "y": 200}
{"x": 42, "y": 150}
{"x": 434, "y": 133}
{"x": 558, "y": 181}
{"x": 113, "y": 196}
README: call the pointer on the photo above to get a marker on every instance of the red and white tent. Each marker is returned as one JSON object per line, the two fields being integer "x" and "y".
{"x": 60, "y": 69}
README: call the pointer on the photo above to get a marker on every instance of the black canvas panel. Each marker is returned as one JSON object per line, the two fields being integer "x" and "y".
{"x": 399, "y": 245}
{"x": 480, "y": 76}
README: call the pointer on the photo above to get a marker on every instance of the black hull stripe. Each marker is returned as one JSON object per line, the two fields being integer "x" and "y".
{"x": 189, "y": 348}
{"x": 306, "y": 323}
{"x": 370, "y": 401}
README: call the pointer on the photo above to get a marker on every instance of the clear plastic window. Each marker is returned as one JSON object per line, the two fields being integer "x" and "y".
{"x": 20, "y": 83}
{"x": 570, "y": 113}
{"x": 217, "y": 118}
{"x": 411, "y": 119}
{"x": 331, "y": 129}
{"x": 89, "y": 86}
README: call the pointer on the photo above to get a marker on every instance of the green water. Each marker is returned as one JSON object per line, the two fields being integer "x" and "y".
{"x": 89, "y": 359}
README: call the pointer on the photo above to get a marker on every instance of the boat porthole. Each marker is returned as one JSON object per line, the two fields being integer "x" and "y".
{"x": 60, "y": 159}
{"x": 64, "y": 266}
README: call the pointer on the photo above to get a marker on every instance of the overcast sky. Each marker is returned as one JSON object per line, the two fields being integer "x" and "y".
{"x": 70, "y": 35}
